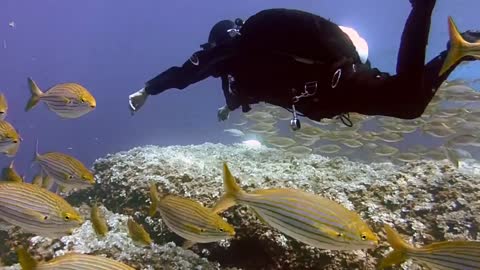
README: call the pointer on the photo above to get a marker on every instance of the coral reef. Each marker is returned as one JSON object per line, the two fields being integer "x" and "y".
{"x": 425, "y": 201}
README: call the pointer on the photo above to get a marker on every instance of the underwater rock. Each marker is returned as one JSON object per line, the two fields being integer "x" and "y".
{"x": 424, "y": 200}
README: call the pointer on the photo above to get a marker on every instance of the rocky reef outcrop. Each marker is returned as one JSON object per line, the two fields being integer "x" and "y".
{"x": 425, "y": 201}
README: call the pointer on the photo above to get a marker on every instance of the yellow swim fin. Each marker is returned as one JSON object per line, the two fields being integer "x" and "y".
{"x": 459, "y": 48}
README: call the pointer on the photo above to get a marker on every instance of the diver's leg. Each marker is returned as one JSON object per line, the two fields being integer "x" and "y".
{"x": 411, "y": 56}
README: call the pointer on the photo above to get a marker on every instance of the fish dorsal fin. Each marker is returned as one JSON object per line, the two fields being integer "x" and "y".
{"x": 26, "y": 260}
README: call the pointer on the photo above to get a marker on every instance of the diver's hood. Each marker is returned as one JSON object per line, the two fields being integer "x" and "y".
{"x": 219, "y": 33}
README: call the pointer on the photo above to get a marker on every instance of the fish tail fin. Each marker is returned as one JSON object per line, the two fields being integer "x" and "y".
{"x": 36, "y": 94}
{"x": 154, "y": 198}
{"x": 400, "y": 247}
{"x": 459, "y": 48}
{"x": 232, "y": 190}
{"x": 26, "y": 260}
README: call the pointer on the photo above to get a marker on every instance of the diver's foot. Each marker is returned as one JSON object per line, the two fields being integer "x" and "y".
{"x": 471, "y": 36}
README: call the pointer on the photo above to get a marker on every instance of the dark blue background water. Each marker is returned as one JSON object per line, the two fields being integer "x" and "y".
{"x": 113, "y": 47}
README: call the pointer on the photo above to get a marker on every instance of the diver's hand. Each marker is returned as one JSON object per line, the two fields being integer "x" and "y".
{"x": 223, "y": 113}
{"x": 137, "y": 99}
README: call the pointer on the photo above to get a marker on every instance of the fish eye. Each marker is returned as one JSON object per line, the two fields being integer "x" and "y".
{"x": 45, "y": 217}
{"x": 221, "y": 229}
{"x": 339, "y": 234}
{"x": 202, "y": 230}
{"x": 66, "y": 217}
{"x": 82, "y": 100}
{"x": 364, "y": 237}
{"x": 15, "y": 141}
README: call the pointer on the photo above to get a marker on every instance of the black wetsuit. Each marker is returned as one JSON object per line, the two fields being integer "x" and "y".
{"x": 281, "y": 53}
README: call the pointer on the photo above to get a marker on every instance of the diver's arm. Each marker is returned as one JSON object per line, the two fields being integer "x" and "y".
{"x": 193, "y": 70}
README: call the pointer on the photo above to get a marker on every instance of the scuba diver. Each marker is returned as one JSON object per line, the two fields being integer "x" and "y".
{"x": 315, "y": 68}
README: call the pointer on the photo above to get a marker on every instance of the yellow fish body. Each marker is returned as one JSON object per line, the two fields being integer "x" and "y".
{"x": 138, "y": 233}
{"x": 67, "y": 100}
{"x": 9, "y": 139}
{"x": 99, "y": 223}
{"x": 454, "y": 255}
{"x": 65, "y": 170}
{"x": 189, "y": 219}
{"x": 3, "y": 106}
{"x": 309, "y": 218}
{"x": 37, "y": 210}
{"x": 70, "y": 261}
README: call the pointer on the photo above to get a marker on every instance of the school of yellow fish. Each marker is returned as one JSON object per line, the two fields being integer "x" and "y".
{"x": 306, "y": 217}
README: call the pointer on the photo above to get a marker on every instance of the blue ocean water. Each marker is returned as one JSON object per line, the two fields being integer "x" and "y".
{"x": 113, "y": 47}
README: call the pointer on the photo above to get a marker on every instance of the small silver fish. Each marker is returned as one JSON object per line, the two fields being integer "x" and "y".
{"x": 234, "y": 132}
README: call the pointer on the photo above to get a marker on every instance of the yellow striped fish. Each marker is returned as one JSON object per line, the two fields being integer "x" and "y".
{"x": 452, "y": 255}
{"x": 67, "y": 100}
{"x": 65, "y": 170}
{"x": 3, "y": 106}
{"x": 138, "y": 233}
{"x": 309, "y": 218}
{"x": 459, "y": 48}
{"x": 10, "y": 175}
{"x": 9, "y": 139}
{"x": 37, "y": 210}
{"x": 189, "y": 219}
{"x": 70, "y": 261}
{"x": 99, "y": 223}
